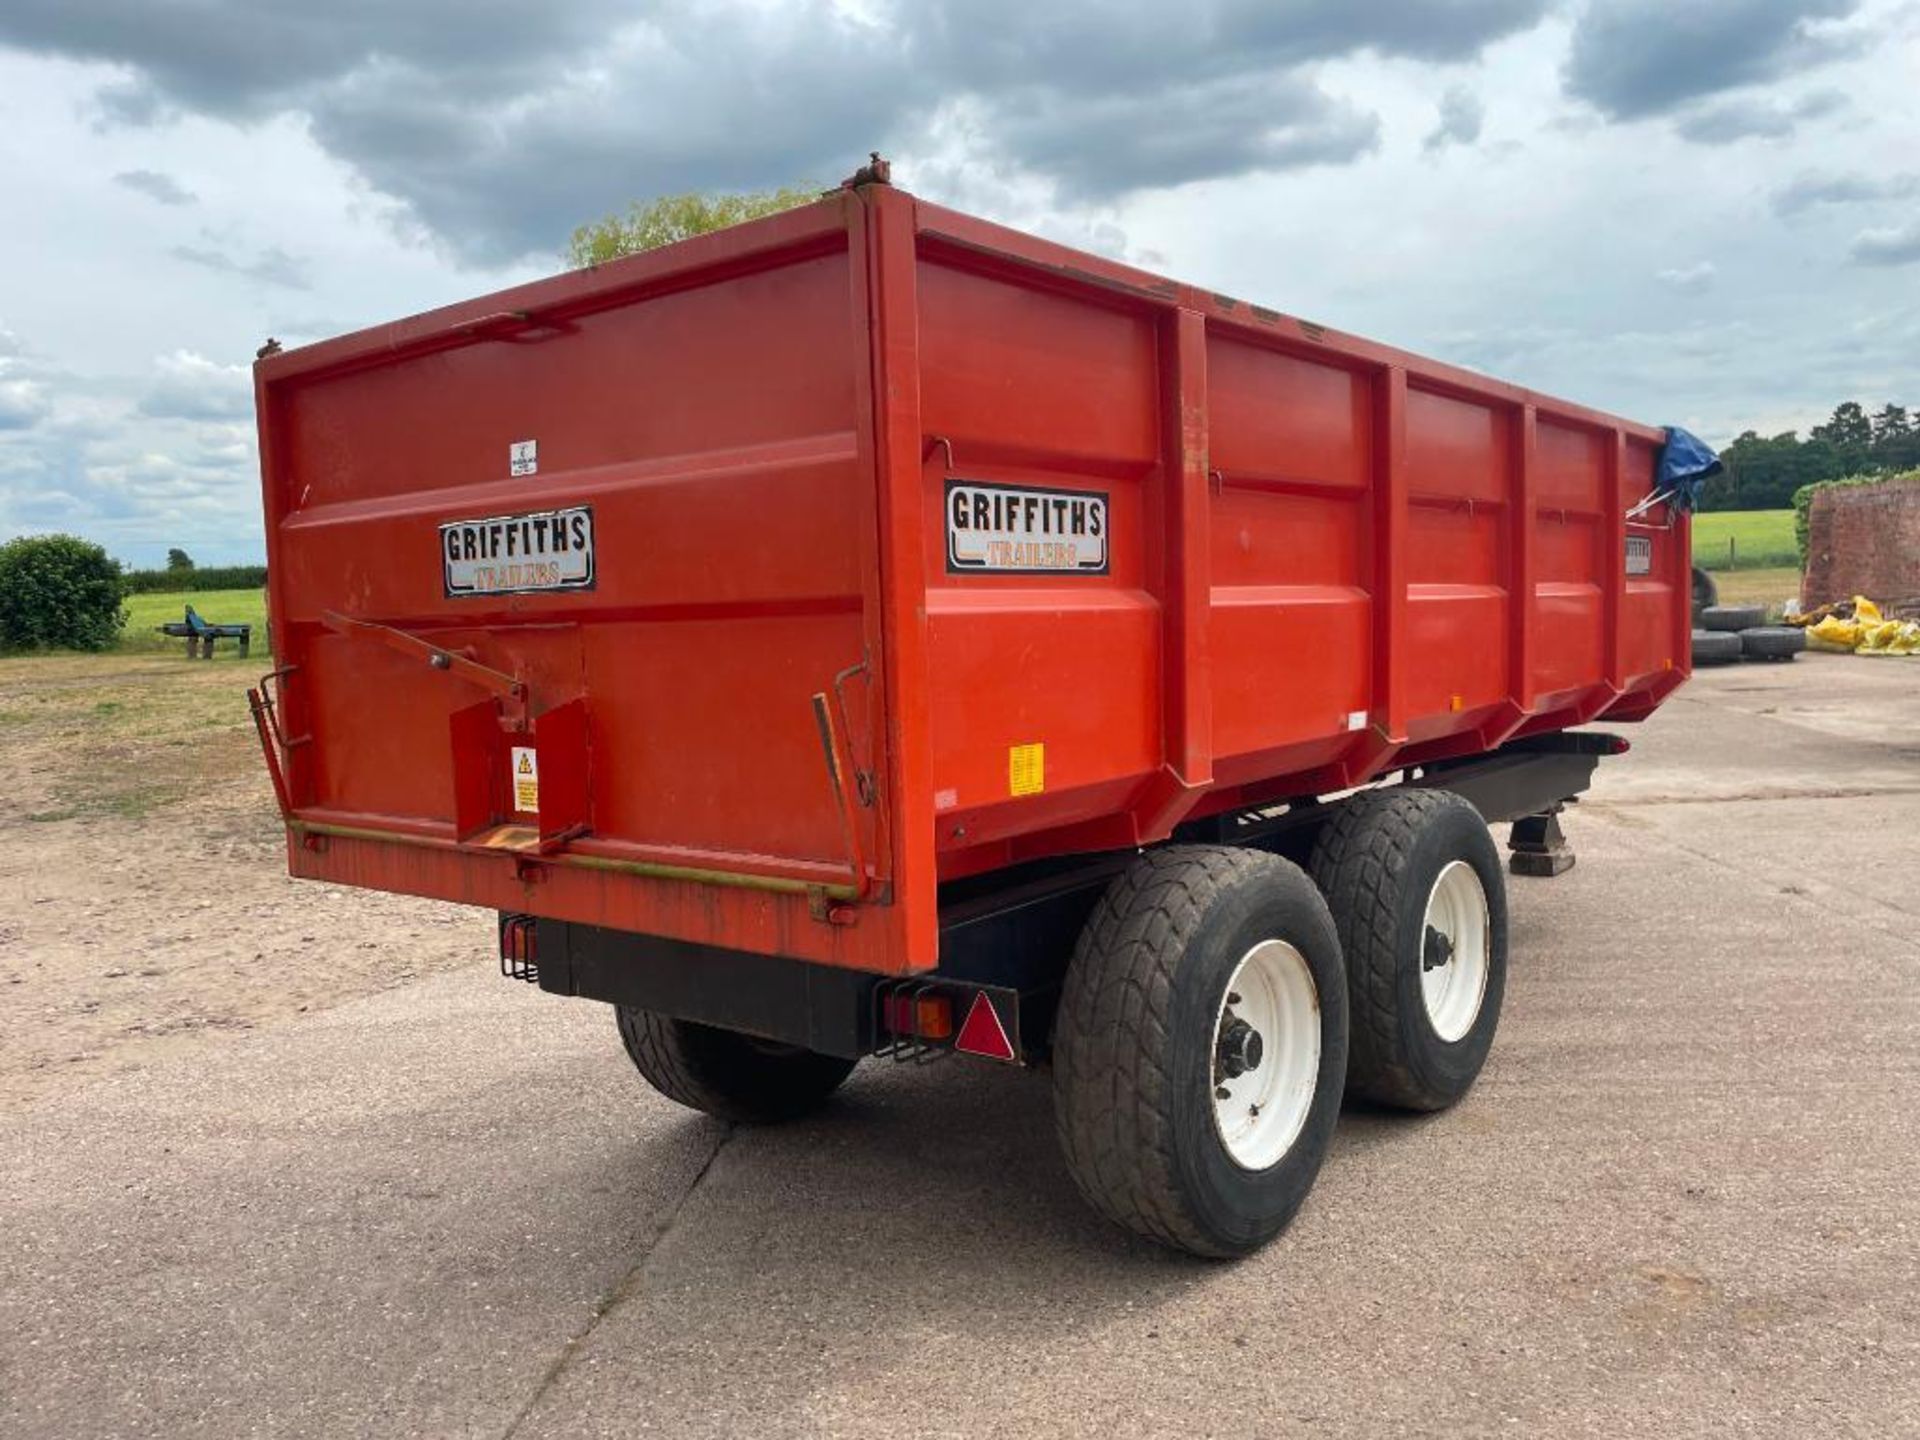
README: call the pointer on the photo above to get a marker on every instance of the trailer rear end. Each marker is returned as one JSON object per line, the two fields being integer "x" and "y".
{"x": 813, "y": 636}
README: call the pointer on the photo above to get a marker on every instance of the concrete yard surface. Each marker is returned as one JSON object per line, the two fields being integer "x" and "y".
{"x": 1684, "y": 1198}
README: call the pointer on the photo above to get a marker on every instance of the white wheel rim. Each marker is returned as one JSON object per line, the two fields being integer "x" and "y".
{"x": 1259, "y": 1109}
{"x": 1454, "y": 939}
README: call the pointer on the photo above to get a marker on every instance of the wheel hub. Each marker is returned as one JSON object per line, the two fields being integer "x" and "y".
{"x": 1266, "y": 1054}
{"x": 1239, "y": 1050}
{"x": 1455, "y": 948}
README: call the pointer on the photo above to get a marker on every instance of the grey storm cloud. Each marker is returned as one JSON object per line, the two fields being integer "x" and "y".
{"x": 1107, "y": 144}
{"x": 23, "y": 399}
{"x": 1724, "y": 122}
{"x": 1898, "y": 246}
{"x": 1811, "y": 191}
{"x": 1461, "y": 116}
{"x": 1636, "y": 58}
{"x": 23, "y": 404}
{"x": 502, "y": 124}
{"x": 1080, "y": 46}
{"x": 272, "y": 266}
{"x": 246, "y": 57}
{"x": 187, "y": 386}
{"x": 1694, "y": 279}
{"x": 155, "y": 186}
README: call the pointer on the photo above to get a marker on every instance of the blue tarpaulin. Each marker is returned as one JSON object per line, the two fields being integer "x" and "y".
{"x": 1686, "y": 462}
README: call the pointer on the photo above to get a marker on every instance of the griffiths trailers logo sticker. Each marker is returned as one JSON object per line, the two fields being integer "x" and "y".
{"x": 509, "y": 554}
{"x": 1025, "y": 530}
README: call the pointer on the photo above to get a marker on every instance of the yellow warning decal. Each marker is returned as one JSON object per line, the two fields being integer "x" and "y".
{"x": 1026, "y": 769}
{"x": 526, "y": 779}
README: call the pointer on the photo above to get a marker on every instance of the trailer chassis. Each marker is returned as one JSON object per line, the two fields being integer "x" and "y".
{"x": 1005, "y": 938}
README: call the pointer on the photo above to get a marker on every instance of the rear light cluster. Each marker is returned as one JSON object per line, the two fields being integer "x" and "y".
{"x": 914, "y": 1021}
{"x": 926, "y": 1017}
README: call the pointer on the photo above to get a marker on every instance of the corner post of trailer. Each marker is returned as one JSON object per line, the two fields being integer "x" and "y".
{"x": 1613, "y": 539}
{"x": 886, "y": 254}
{"x": 288, "y": 704}
{"x": 1680, "y": 578}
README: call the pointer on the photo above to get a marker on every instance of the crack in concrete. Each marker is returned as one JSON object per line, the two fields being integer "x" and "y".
{"x": 618, "y": 1295}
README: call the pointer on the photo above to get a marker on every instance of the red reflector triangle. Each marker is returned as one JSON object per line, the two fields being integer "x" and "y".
{"x": 983, "y": 1034}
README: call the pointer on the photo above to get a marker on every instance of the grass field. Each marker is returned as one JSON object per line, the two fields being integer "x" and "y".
{"x": 121, "y": 735}
{"x": 1744, "y": 540}
{"x": 1758, "y": 587}
{"x": 217, "y": 607}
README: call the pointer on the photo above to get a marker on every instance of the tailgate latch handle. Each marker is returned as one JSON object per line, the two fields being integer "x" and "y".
{"x": 454, "y": 662}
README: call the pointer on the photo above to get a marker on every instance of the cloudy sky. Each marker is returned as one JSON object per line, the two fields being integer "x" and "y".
{"x": 1703, "y": 212}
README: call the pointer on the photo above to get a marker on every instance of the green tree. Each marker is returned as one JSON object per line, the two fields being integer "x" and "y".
{"x": 58, "y": 592}
{"x": 674, "y": 217}
{"x": 1896, "y": 439}
{"x": 178, "y": 559}
{"x": 1849, "y": 432}
{"x": 1763, "y": 473}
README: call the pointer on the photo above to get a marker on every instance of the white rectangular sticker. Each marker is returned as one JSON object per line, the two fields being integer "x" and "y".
{"x": 523, "y": 457}
{"x": 508, "y": 554}
{"x": 1639, "y": 554}
{"x": 526, "y": 779}
{"x": 1025, "y": 529}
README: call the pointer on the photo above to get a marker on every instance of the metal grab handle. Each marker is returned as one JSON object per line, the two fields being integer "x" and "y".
{"x": 846, "y": 802}
{"x": 268, "y": 729}
{"x": 864, "y": 781}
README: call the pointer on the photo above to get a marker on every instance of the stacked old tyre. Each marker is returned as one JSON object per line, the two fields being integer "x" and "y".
{"x": 1725, "y": 633}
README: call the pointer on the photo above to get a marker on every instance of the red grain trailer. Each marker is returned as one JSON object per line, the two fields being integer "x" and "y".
{"x": 873, "y": 630}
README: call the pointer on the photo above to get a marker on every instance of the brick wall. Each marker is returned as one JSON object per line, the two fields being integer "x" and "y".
{"x": 1863, "y": 540}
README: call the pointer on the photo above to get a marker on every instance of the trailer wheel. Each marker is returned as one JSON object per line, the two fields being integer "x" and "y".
{"x": 1200, "y": 1048}
{"x": 1414, "y": 882}
{"x": 727, "y": 1074}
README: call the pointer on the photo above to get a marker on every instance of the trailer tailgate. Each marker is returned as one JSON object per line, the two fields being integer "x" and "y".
{"x": 584, "y": 597}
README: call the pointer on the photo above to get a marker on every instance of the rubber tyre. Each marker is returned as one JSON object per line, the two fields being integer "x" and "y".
{"x": 1376, "y": 861}
{"x": 1133, "y": 1047}
{"x": 727, "y": 1074}
{"x": 1716, "y": 647}
{"x": 1706, "y": 591}
{"x": 1732, "y": 617}
{"x": 1772, "y": 642}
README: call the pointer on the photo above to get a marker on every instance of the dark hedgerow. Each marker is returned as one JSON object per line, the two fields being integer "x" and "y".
{"x": 199, "y": 577}
{"x": 58, "y": 592}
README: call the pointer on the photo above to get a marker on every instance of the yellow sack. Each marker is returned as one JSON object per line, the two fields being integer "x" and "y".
{"x": 1838, "y": 633}
{"x": 1867, "y": 633}
{"x": 1890, "y": 637}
